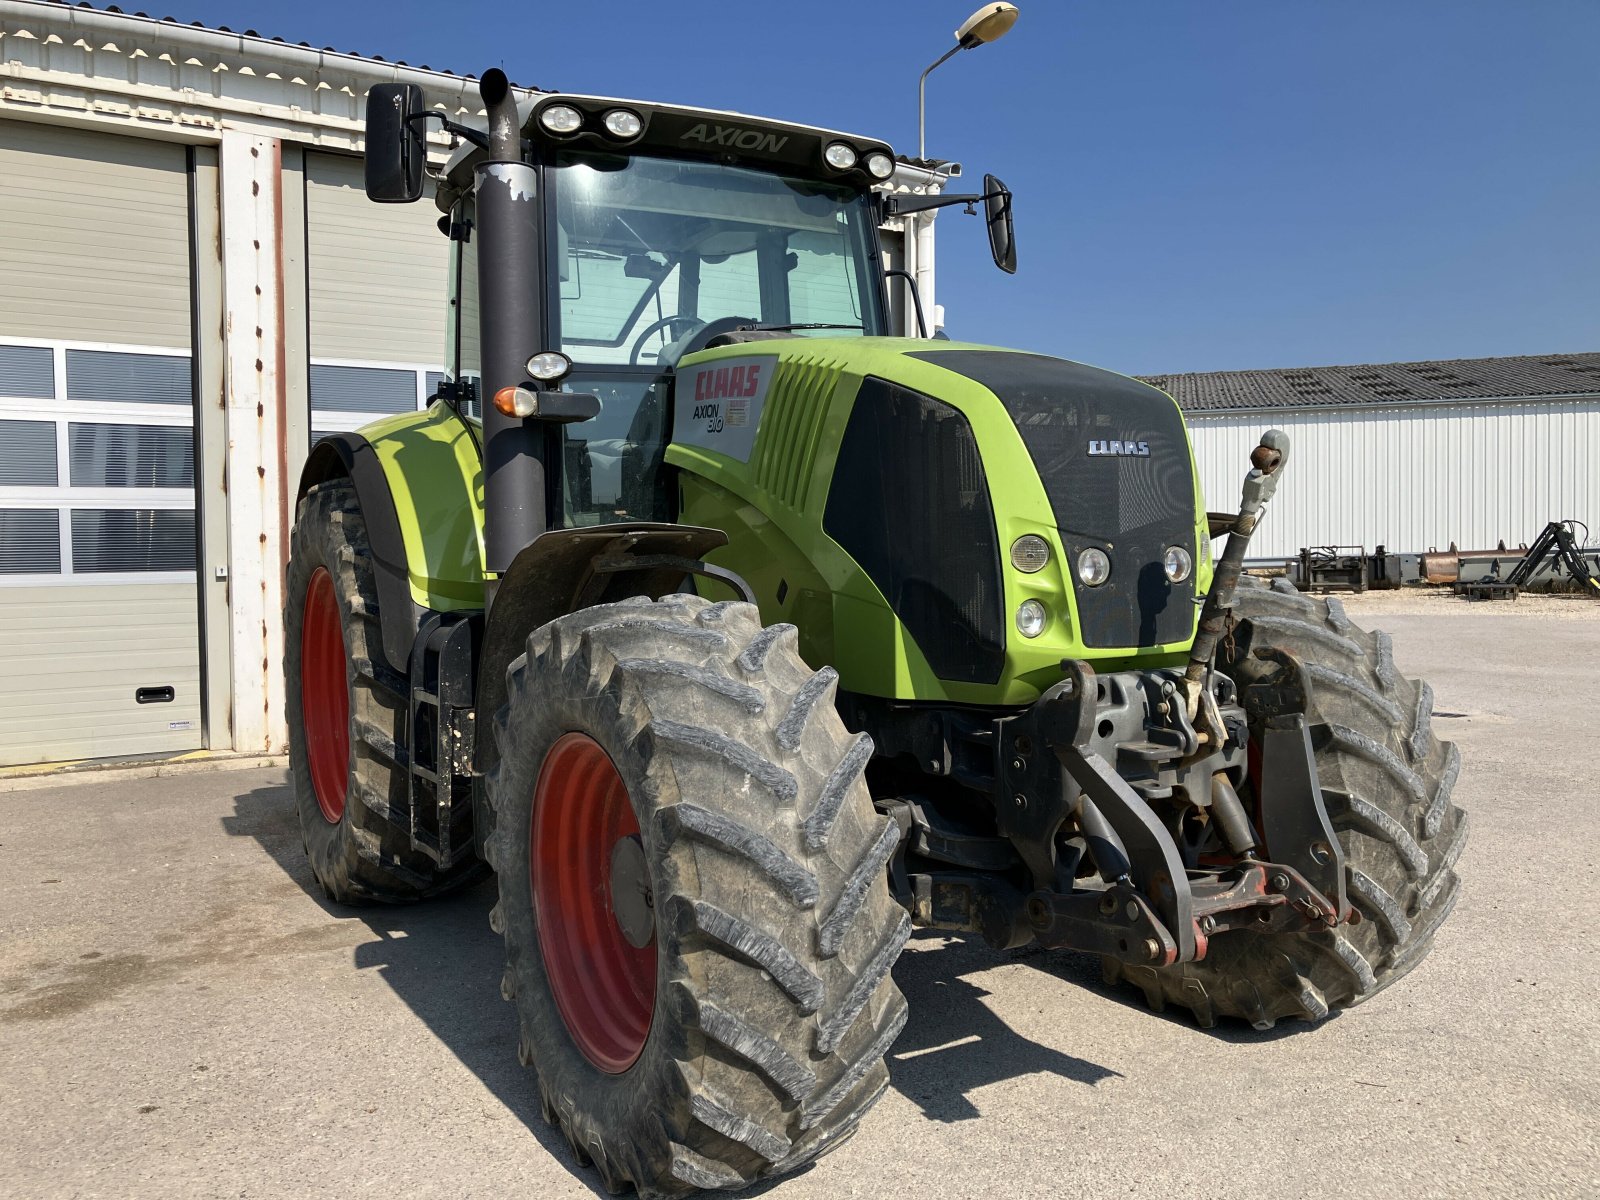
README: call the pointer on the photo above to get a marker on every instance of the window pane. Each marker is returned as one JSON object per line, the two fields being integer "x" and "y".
{"x": 822, "y": 283}
{"x": 655, "y": 238}
{"x": 599, "y": 293}
{"x": 151, "y": 456}
{"x": 132, "y": 539}
{"x": 27, "y": 371}
{"x": 30, "y": 541}
{"x": 613, "y": 463}
{"x": 27, "y": 454}
{"x": 115, "y": 377}
{"x": 731, "y": 286}
{"x": 363, "y": 389}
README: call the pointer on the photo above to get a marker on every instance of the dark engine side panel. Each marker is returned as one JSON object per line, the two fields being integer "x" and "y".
{"x": 910, "y": 503}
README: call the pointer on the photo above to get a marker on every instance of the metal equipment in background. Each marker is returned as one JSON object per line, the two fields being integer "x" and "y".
{"x": 1388, "y": 571}
{"x": 1557, "y": 560}
{"x": 1333, "y": 569}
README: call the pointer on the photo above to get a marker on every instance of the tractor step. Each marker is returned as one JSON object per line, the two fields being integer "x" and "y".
{"x": 441, "y": 729}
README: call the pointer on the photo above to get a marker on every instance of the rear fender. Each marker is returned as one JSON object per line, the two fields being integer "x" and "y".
{"x": 350, "y": 456}
{"x": 419, "y": 483}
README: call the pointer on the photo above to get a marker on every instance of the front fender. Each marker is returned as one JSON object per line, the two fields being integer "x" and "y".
{"x": 556, "y": 574}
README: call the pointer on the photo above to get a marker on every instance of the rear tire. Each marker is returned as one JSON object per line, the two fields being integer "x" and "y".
{"x": 1386, "y": 781}
{"x": 770, "y": 1004}
{"x": 346, "y": 711}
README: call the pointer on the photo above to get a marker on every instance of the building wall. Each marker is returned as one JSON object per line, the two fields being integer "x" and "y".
{"x": 1412, "y": 477}
{"x": 312, "y": 310}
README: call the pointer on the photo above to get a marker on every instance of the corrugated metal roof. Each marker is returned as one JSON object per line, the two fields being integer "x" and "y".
{"x": 1385, "y": 383}
{"x": 114, "y": 10}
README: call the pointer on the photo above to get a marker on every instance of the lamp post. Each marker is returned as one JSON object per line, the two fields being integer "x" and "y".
{"x": 989, "y": 24}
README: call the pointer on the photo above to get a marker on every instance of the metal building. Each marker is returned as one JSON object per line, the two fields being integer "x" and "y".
{"x": 195, "y": 286}
{"x": 1410, "y": 456}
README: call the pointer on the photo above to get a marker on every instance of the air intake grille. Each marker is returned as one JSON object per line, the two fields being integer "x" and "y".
{"x": 797, "y": 402}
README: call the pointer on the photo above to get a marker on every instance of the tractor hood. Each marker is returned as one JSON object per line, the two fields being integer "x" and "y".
{"x": 873, "y": 489}
{"x": 1113, "y": 457}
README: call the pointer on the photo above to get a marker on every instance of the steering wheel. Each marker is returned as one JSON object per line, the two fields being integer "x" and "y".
{"x": 690, "y": 323}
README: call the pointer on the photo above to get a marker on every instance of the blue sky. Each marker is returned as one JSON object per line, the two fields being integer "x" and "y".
{"x": 1201, "y": 184}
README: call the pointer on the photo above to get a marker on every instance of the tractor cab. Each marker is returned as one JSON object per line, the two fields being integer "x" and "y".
{"x": 655, "y": 231}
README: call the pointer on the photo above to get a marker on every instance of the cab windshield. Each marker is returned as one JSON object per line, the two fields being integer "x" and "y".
{"x": 649, "y": 251}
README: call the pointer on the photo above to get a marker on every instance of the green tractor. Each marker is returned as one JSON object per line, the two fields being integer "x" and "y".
{"x": 740, "y": 638}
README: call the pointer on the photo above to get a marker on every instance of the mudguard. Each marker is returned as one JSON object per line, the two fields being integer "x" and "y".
{"x": 567, "y": 569}
{"x": 420, "y": 485}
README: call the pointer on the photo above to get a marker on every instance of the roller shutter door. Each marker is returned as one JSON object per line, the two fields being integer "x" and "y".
{"x": 99, "y": 630}
{"x": 376, "y": 278}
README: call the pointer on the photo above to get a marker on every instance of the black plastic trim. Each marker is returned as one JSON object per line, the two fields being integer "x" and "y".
{"x": 349, "y": 455}
{"x": 909, "y": 502}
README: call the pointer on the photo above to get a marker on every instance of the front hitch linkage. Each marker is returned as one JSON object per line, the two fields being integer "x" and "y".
{"x": 1154, "y": 912}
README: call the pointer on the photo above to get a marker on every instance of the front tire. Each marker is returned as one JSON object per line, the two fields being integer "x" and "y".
{"x": 734, "y": 1024}
{"x": 1386, "y": 782}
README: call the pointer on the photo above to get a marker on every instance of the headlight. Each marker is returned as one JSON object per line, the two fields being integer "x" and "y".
{"x": 1030, "y": 553}
{"x": 1177, "y": 563}
{"x": 548, "y": 366}
{"x": 623, "y": 124}
{"x": 839, "y": 156}
{"x": 561, "y": 118}
{"x": 1032, "y": 616}
{"x": 1094, "y": 568}
{"x": 880, "y": 165}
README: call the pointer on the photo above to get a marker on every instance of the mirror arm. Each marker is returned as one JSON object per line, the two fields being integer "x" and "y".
{"x": 897, "y": 206}
{"x": 476, "y": 136}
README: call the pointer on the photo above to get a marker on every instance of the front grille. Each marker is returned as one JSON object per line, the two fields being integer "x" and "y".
{"x": 1131, "y": 506}
{"x": 910, "y": 503}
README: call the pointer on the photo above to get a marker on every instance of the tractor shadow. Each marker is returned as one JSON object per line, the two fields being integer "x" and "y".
{"x": 1084, "y": 971}
{"x": 445, "y": 963}
{"x": 442, "y": 960}
{"x": 954, "y": 1043}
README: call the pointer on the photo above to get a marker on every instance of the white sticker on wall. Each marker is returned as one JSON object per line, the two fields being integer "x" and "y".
{"x": 718, "y": 405}
{"x": 180, "y": 724}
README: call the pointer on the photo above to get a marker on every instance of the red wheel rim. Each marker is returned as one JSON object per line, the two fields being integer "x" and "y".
{"x": 604, "y": 986}
{"x": 325, "y": 696}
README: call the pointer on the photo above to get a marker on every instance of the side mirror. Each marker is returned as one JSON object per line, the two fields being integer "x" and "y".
{"x": 1002, "y": 237}
{"x": 396, "y": 151}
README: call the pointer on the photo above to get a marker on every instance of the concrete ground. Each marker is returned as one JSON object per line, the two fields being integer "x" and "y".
{"x": 181, "y": 1016}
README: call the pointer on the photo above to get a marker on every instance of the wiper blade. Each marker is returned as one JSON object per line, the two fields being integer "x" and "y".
{"x": 764, "y": 327}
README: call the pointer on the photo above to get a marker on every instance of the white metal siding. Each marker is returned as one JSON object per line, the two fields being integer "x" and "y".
{"x": 376, "y": 271}
{"x": 72, "y": 659}
{"x": 1412, "y": 477}
{"x": 94, "y": 233}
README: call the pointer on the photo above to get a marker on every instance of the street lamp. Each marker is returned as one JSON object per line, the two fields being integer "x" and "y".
{"x": 989, "y": 24}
